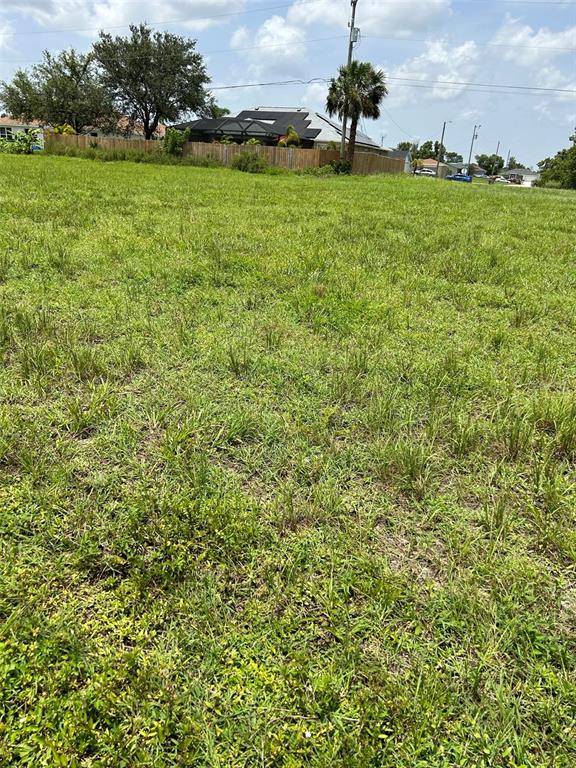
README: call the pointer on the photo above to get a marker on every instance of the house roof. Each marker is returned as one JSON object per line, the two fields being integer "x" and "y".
{"x": 328, "y": 130}
{"x": 520, "y": 172}
{"x": 261, "y": 122}
{"x": 15, "y": 122}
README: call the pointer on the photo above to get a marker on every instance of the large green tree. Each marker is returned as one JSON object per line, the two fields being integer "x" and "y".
{"x": 514, "y": 163}
{"x": 357, "y": 92}
{"x": 154, "y": 77}
{"x": 454, "y": 157}
{"x": 66, "y": 88}
{"x": 425, "y": 150}
{"x": 490, "y": 163}
{"x": 560, "y": 170}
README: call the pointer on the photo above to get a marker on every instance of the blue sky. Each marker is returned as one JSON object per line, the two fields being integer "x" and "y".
{"x": 418, "y": 43}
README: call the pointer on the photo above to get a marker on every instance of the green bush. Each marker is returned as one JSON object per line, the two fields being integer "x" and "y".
{"x": 133, "y": 155}
{"x": 21, "y": 144}
{"x": 174, "y": 141}
{"x": 65, "y": 129}
{"x": 252, "y": 143}
{"x": 249, "y": 162}
{"x": 342, "y": 167}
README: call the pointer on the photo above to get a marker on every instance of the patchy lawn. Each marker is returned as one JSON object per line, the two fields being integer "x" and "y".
{"x": 287, "y": 470}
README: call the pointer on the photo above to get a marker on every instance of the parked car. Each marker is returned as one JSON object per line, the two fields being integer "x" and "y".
{"x": 459, "y": 177}
{"x": 425, "y": 172}
{"x": 501, "y": 180}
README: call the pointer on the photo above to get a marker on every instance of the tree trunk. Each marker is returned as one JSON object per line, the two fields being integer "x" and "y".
{"x": 352, "y": 140}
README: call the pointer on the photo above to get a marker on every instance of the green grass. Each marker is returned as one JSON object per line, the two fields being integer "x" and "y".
{"x": 287, "y": 470}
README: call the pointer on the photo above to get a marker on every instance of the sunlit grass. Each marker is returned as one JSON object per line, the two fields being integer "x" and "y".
{"x": 287, "y": 470}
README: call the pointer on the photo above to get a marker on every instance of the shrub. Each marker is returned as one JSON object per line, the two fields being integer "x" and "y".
{"x": 22, "y": 144}
{"x": 226, "y": 140}
{"x": 292, "y": 139}
{"x": 64, "y": 129}
{"x": 249, "y": 162}
{"x": 252, "y": 143}
{"x": 174, "y": 140}
{"x": 132, "y": 155}
{"x": 342, "y": 167}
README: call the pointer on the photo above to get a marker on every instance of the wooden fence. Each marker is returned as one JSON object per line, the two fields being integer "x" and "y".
{"x": 365, "y": 163}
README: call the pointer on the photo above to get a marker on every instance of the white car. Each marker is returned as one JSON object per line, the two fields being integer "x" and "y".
{"x": 501, "y": 180}
{"x": 425, "y": 172}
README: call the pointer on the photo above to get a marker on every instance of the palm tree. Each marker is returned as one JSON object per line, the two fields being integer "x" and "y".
{"x": 358, "y": 92}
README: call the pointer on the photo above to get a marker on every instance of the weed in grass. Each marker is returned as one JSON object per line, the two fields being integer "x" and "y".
{"x": 5, "y": 266}
{"x": 86, "y": 364}
{"x": 239, "y": 360}
{"x": 83, "y": 415}
{"x": 411, "y": 465}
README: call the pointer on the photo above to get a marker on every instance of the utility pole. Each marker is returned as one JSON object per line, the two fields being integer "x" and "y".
{"x": 351, "y": 41}
{"x": 441, "y": 146}
{"x": 495, "y": 157}
{"x": 474, "y": 137}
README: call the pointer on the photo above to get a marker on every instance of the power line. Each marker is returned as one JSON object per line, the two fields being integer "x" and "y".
{"x": 461, "y": 42}
{"x": 486, "y": 85}
{"x": 416, "y": 83}
{"x": 410, "y": 136}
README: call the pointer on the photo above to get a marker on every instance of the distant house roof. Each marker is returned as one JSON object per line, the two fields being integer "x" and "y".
{"x": 520, "y": 172}
{"x": 272, "y": 123}
{"x": 15, "y": 122}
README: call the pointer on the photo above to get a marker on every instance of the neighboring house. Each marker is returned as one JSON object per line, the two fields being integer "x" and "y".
{"x": 11, "y": 125}
{"x": 524, "y": 176}
{"x": 270, "y": 124}
{"x": 444, "y": 169}
{"x": 403, "y": 155}
{"x": 124, "y": 130}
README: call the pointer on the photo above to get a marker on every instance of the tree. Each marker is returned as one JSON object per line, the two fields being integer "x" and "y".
{"x": 153, "y": 76}
{"x": 513, "y": 163}
{"x": 425, "y": 150}
{"x": 358, "y": 92}
{"x": 213, "y": 110}
{"x": 560, "y": 171}
{"x": 63, "y": 89}
{"x": 490, "y": 163}
{"x": 454, "y": 157}
{"x": 439, "y": 151}
{"x": 405, "y": 146}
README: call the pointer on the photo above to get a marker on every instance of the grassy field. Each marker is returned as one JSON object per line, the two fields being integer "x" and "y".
{"x": 287, "y": 470}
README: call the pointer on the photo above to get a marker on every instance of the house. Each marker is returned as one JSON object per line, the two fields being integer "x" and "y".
{"x": 524, "y": 176}
{"x": 270, "y": 124}
{"x": 9, "y": 126}
{"x": 404, "y": 155}
{"x": 125, "y": 129}
{"x": 444, "y": 169}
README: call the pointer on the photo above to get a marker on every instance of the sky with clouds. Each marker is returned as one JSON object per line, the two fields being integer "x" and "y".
{"x": 429, "y": 50}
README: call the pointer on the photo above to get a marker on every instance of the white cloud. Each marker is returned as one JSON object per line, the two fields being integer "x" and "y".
{"x": 314, "y": 96}
{"x": 97, "y": 14}
{"x": 441, "y": 62}
{"x": 240, "y": 38}
{"x": 5, "y": 35}
{"x": 530, "y": 47}
{"x": 276, "y": 48}
{"x": 398, "y": 17}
